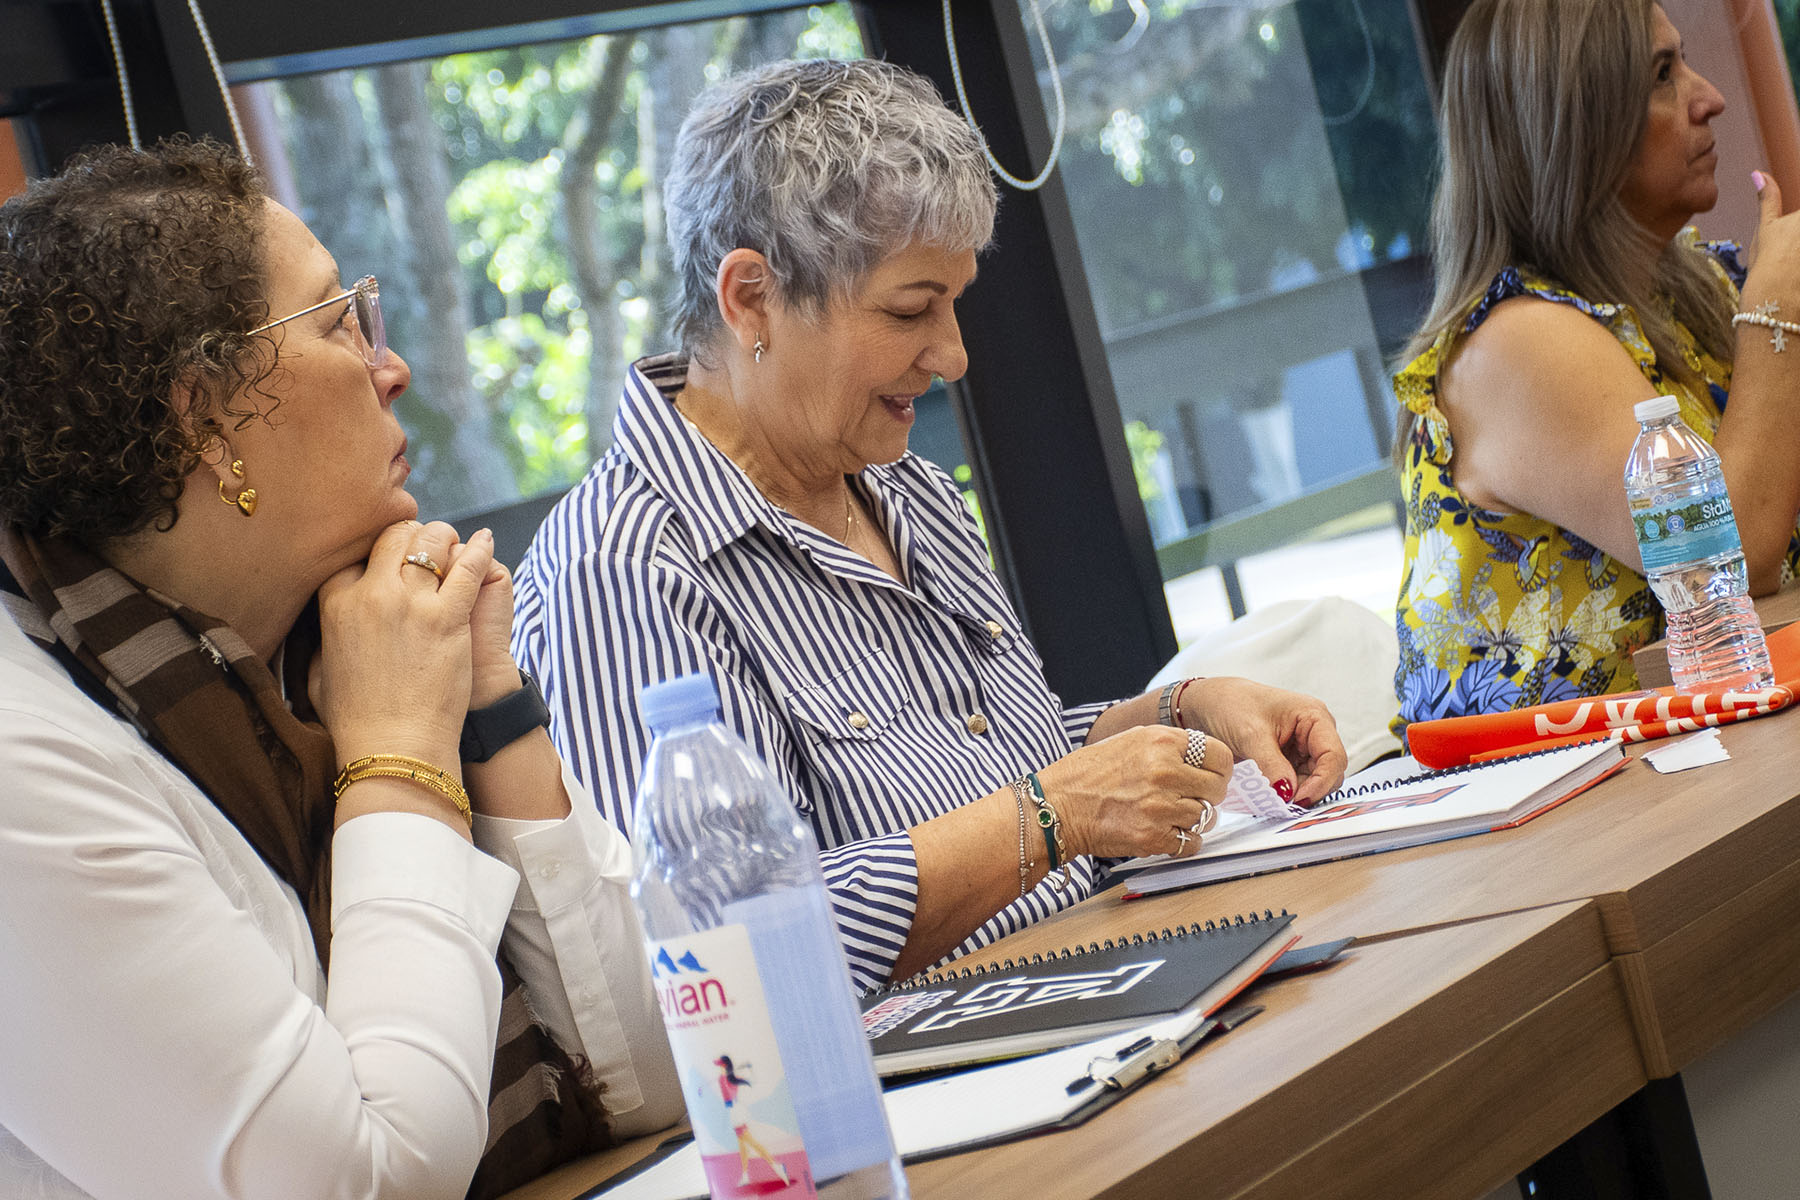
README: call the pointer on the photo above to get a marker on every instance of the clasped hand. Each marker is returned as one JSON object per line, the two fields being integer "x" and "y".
{"x": 403, "y": 654}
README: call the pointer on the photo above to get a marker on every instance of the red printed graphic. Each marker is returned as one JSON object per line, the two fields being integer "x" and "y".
{"x": 1344, "y": 811}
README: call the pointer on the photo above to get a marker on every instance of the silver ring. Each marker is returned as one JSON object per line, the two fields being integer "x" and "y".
{"x": 1182, "y": 834}
{"x": 419, "y": 558}
{"x": 1195, "y": 754}
{"x": 1207, "y": 813}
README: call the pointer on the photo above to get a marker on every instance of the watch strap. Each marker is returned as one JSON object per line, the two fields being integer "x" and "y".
{"x": 488, "y": 730}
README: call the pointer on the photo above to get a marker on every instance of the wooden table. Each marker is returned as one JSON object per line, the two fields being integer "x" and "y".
{"x": 1436, "y": 1064}
{"x": 1696, "y": 877}
{"x": 1430, "y": 1065}
{"x": 1508, "y": 988}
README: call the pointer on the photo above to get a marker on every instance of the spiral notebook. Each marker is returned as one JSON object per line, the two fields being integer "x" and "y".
{"x": 1374, "y": 812}
{"x": 977, "y": 1014}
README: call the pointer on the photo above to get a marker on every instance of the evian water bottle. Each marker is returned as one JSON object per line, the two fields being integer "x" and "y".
{"x": 1688, "y": 537}
{"x": 756, "y": 998}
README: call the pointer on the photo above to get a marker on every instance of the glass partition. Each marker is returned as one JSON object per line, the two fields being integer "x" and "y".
{"x": 1250, "y": 185}
{"x": 508, "y": 197}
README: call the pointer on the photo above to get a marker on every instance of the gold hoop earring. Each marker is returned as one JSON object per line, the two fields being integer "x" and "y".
{"x": 757, "y": 349}
{"x": 245, "y": 500}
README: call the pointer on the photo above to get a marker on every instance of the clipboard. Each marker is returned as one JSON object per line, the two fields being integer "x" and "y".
{"x": 1060, "y": 1090}
{"x": 985, "y": 1106}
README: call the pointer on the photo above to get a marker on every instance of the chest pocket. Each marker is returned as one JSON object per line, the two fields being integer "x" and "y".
{"x": 858, "y": 704}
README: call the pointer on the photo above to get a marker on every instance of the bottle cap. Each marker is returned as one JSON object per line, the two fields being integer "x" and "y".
{"x": 679, "y": 701}
{"x": 1656, "y": 409}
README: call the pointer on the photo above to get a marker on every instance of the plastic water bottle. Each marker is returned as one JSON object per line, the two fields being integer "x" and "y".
{"x": 754, "y": 991}
{"x": 1692, "y": 554}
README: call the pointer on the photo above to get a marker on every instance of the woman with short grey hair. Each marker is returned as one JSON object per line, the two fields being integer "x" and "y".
{"x": 877, "y": 164}
{"x": 759, "y": 518}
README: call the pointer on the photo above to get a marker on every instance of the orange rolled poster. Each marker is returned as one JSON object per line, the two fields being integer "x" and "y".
{"x": 1631, "y": 716}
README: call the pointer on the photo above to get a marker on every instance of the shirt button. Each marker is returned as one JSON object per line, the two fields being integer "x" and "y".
{"x": 995, "y": 629}
{"x": 550, "y": 869}
{"x": 588, "y": 998}
{"x": 857, "y": 721}
{"x": 977, "y": 724}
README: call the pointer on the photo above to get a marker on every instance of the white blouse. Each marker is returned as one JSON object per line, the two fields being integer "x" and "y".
{"x": 165, "y": 1029}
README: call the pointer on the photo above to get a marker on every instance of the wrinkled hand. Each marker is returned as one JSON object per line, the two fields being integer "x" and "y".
{"x": 1292, "y": 737}
{"x": 1129, "y": 794}
{"x": 396, "y": 645}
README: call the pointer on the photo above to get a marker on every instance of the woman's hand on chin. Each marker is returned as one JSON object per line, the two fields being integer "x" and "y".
{"x": 493, "y": 672}
{"x": 397, "y": 647}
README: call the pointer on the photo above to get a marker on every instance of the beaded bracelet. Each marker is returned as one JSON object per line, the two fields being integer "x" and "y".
{"x": 1764, "y": 315}
{"x": 1051, "y": 824}
{"x": 401, "y": 766}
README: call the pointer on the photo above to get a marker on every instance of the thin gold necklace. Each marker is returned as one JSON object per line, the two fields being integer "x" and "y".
{"x": 849, "y": 508}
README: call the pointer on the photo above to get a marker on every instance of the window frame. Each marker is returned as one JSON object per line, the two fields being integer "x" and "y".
{"x": 1037, "y": 410}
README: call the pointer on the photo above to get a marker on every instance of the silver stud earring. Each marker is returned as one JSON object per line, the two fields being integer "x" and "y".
{"x": 757, "y": 349}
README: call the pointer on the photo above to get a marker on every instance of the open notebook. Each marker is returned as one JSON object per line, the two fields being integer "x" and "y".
{"x": 1374, "y": 811}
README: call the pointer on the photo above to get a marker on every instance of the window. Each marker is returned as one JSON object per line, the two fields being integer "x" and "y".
{"x": 508, "y": 199}
{"x": 1250, "y": 187}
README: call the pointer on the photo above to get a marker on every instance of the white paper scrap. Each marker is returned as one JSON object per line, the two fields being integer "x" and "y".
{"x": 1694, "y": 750}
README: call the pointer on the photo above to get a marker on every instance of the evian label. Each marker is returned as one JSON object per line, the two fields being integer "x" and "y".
{"x": 731, "y": 1073}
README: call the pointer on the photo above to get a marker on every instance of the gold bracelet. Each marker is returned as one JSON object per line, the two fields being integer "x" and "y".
{"x": 400, "y": 766}
{"x": 1021, "y": 793}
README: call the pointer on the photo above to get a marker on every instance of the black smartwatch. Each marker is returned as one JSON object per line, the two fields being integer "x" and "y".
{"x": 487, "y": 731}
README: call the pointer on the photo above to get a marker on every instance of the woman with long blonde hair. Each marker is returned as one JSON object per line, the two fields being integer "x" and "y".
{"x": 1576, "y": 145}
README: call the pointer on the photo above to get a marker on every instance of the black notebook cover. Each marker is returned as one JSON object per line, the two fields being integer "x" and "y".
{"x": 953, "y": 1017}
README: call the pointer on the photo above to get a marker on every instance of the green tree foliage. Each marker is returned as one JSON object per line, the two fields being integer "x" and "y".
{"x": 1787, "y": 19}
{"x": 1221, "y": 151}
{"x": 1195, "y": 145}
{"x": 552, "y": 318}
{"x": 1195, "y": 175}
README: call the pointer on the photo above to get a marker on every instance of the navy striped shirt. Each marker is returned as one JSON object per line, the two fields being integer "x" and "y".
{"x": 879, "y": 705}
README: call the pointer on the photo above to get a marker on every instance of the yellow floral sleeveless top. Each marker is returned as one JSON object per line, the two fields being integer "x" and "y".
{"x": 1505, "y": 610}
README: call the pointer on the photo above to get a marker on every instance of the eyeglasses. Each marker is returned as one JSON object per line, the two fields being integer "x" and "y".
{"x": 364, "y": 297}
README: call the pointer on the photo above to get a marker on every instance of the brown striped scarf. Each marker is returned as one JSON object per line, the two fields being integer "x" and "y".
{"x": 201, "y": 696}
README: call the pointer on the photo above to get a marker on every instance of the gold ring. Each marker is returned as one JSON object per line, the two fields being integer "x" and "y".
{"x": 419, "y": 558}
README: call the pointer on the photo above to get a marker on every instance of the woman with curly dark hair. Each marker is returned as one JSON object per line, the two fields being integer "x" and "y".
{"x": 255, "y": 721}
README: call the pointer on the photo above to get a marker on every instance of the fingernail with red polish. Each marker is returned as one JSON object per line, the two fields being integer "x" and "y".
{"x": 1284, "y": 789}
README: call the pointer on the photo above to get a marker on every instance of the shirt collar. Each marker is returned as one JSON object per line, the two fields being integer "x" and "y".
{"x": 712, "y": 495}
